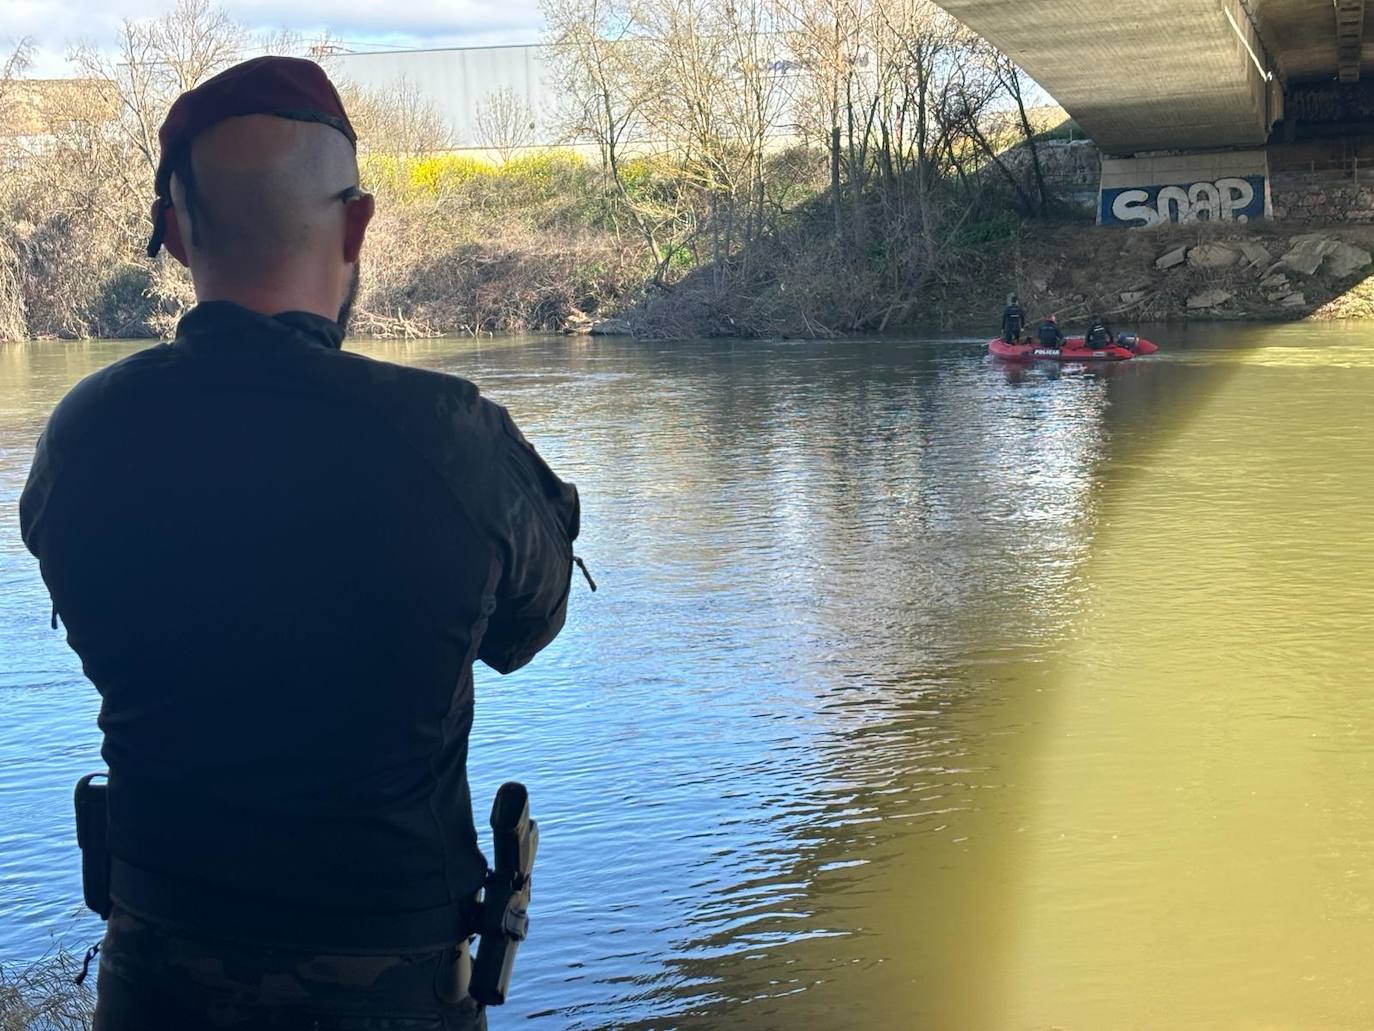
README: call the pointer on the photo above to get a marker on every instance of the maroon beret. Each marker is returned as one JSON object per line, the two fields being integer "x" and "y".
{"x": 288, "y": 87}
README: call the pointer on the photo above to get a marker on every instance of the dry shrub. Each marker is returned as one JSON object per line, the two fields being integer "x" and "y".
{"x": 808, "y": 291}
{"x": 43, "y": 997}
{"x": 459, "y": 244}
{"x": 520, "y": 279}
{"x": 13, "y": 320}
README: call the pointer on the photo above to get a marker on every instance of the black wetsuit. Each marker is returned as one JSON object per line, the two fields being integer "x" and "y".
{"x": 1098, "y": 336}
{"x": 1013, "y": 321}
{"x": 1050, "y": 334}
{"x": 278, "y": 561}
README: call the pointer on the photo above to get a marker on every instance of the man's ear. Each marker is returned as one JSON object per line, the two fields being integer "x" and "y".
{"x": 171, "y": 231}
{"x": 358, "y": 212}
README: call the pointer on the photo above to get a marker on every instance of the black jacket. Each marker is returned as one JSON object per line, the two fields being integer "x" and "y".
{"x": 278, "y": 561}
{"x": 1013, "y": 320}
{"x": 1050, "y": 334}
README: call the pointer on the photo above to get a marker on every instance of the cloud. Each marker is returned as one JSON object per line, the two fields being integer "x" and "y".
{"x": 417, "y": 18}
{"x": 423, "y": 22}
{"x": 56, "y": 26}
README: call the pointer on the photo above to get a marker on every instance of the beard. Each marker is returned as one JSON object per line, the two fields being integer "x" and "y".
{"x": 346, "y": 309}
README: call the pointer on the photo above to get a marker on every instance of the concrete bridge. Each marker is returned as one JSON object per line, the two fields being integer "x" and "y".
{"x": 1190, "y": 98}
{"x": 1177, "y": 74}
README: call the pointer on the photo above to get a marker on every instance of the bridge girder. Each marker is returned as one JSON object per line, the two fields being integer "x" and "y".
{"x": 1149, "y": 75}
{"x": 1349, "y": 38}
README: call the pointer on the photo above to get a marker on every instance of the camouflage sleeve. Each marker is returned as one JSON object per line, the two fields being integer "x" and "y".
{"x": 537, "y": 524}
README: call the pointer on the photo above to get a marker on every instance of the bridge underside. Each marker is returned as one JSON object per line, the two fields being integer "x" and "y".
{"x": 1154, "y": 75}
{"x": 1315, "y": 41}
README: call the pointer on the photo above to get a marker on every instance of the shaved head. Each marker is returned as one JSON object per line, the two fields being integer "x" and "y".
{"x": 262, "y": 212}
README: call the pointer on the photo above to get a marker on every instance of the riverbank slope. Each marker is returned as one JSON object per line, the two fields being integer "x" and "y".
{"x": 1265, "y": 271}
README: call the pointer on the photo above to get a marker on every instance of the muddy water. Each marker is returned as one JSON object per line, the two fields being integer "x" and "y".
{"x": 921, "y": 691}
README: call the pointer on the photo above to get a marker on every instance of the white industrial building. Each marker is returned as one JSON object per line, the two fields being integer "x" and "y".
{"x": 457, "y": 80}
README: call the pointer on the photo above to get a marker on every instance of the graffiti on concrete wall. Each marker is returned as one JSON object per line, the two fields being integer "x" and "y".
{"x": 1230, "y": 199}
{"x": 1331, "y": 103}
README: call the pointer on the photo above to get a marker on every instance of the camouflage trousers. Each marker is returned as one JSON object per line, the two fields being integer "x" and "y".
{"x": 154, "y": 978}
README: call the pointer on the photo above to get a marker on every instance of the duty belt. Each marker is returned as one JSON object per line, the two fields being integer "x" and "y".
{"x": 185, "y": 906}
{"x": 500, "y": 917}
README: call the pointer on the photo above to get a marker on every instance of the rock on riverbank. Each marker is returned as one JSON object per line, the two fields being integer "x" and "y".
{"x": 1258, "y": 271}
{"x": 1262, "y": 271}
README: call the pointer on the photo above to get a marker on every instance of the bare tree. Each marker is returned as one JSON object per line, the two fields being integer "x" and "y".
{"x": 505, "y": 123}
{"x": 1013, "y": 81}
{"x": 15, "y": 64}
{"x": 13, "y": 323}
{"x": 157, "y": 59}
{"x": 397, "y": 121}
{"x": 284, "y": 42}
{"x": 192, "y": 42}
{"x": 597, "y": 56}
{"x": 970, "y": 110}
{"x": 824, "y": 36}
{"x": 695, "y": 87}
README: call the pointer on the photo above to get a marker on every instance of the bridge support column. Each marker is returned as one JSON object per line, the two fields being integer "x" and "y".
{"x": 1225, "y": 186}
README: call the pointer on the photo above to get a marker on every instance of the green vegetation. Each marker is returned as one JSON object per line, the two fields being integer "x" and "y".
{"x": 1065, "y": 129}
{"x": 1002, "y": 229}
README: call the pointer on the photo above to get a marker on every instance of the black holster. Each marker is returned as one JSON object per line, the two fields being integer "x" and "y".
{"x": 505, "y": 895}
{"x": 93, "y": 836}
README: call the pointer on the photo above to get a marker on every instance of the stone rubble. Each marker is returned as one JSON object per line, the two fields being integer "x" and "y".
{"x": 1209, "y": 298}
{"x": 1307, "y": 253}
{"x": 1255, "y": 252}
{"x": 611, "y": 328}
{"x": 1212, "y": 255}
{"x": 1343, "y": 259}
{"x": 579, "y": 323}
{"x": 1171, "y": 258}
{"x": 1244, "y": 271}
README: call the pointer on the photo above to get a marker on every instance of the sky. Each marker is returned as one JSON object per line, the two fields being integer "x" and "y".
{"x": 55, "y": 26}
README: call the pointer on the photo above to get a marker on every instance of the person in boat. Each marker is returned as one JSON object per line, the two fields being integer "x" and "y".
{"x": 1049, "y": 333}
{"x": 1013, "y": 319}
{"x": 1098, "y": 334}
{"x": 278, "y": 561}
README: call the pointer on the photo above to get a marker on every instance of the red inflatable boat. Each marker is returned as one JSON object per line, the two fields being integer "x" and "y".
{"x": 1072, "y": 350}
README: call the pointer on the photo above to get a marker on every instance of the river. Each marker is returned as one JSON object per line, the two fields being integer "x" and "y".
{"x": 920, "y": 691}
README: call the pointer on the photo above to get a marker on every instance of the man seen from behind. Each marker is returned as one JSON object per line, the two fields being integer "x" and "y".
{"x": 1049, "y": 334}
{"x": 278, "y": 562}
{"x": 1013, "y": 320}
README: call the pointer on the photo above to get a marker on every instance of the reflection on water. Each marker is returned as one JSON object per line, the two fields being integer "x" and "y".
{"x": 920, "y": 692}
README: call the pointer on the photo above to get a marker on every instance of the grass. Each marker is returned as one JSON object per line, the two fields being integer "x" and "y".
{"x": 43, "y": 997}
